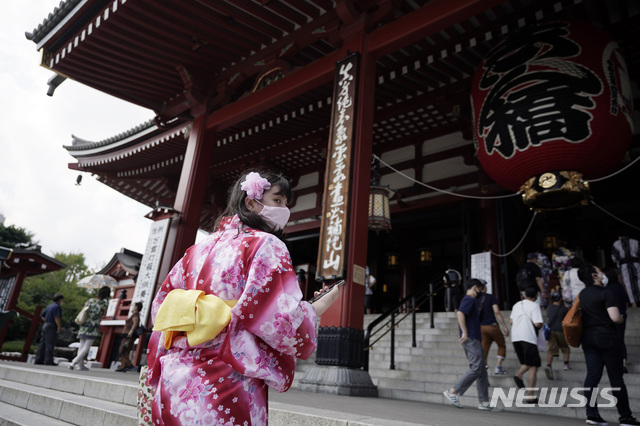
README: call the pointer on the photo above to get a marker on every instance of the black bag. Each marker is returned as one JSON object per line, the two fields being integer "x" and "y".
{"x": 139, "y": 330}
{"x": 523, "y": 279}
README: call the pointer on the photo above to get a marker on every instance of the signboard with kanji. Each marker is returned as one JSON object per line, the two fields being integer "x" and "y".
{"x": 149, "y": 267}
{"x": 335, "y": 200}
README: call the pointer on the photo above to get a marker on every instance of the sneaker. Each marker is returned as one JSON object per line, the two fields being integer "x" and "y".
{"x": 81, "y": 367}
{"x": 518, "y": 381}
{"x": 499, "y": 371}
{"x": 453, "y": 399}
{"x": 629, "y": 421}
{"x": 566, "y": 367}
{"x": 488, "y": 407}
{"x": 596, "y": 420}
{"x": 549, "y": 372}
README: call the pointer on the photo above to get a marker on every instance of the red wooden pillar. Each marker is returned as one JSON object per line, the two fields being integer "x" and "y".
{"x": 341, "y": 335}
{"x": 190, "y": 194}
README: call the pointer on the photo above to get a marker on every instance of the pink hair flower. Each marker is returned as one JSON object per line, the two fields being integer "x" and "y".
{"x": 255, "y": 185}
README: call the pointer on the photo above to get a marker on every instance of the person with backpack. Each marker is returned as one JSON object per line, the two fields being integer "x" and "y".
{"x": 530, "y": 275}
{"x": 452, "y": 280}
{"x": 525, "y": 319}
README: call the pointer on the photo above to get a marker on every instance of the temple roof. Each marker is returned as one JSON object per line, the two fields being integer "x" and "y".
{"x": 30, "y": 261}
{"x": 264, "y": 71}
{"x": 125, "y": 262}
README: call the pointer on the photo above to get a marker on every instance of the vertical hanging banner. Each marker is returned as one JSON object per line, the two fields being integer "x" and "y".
{"x": 332, "y": 251}
{"x": 149, "y": 267}
{"x": 481, "y": 268}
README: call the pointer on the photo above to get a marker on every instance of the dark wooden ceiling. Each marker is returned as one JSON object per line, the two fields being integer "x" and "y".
{"x": 173, "y": 54}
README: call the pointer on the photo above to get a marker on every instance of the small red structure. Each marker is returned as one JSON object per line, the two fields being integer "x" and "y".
{"x": 124, "y": 267}
{"x": 15, "y": 266}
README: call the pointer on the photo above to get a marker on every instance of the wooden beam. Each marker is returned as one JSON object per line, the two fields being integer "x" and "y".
{"x": 295, "y": 84}
{"x": 429, "y": 19}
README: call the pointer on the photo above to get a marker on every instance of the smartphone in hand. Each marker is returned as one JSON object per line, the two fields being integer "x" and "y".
{"x": 337, "y": 284}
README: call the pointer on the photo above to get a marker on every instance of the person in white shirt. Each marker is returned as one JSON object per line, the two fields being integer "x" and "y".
{"x": 369, "y": 282}
{"x": 526, "y": 317}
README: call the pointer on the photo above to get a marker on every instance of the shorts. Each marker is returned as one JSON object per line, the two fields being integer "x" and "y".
{"x": 527, "y": 353}
{"x": 556, "y": 341}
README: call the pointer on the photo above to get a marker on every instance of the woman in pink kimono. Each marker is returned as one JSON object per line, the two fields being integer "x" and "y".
{"x": 229, "y": 320}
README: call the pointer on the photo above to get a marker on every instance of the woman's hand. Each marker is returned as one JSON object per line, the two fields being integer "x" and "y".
{"x": 321, "y": 305}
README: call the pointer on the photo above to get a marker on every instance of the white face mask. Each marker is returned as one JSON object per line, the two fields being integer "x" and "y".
{"x": 604, "y": 279}
{"x": 276, "y": 217}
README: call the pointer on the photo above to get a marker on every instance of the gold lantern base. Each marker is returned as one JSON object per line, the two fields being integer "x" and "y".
{"x": 557, "y": 190}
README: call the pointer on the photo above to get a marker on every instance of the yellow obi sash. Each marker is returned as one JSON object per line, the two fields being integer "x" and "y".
{"x": 201, "y": 316}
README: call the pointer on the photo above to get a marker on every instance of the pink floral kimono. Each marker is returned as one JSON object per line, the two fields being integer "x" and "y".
{"x": 224, "y": 380}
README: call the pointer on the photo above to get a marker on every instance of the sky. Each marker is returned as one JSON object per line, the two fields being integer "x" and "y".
{"x": 38, "y": 191}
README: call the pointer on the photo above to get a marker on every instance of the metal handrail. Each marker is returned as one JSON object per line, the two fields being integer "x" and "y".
{"x": 417, "y": 299}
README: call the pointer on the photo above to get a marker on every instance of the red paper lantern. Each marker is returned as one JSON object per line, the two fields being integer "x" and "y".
{"x": 552, "y": 97}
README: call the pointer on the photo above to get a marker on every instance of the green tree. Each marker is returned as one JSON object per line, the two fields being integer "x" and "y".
{"x": 40, "y": 289}
{"x": 10, "y": 236}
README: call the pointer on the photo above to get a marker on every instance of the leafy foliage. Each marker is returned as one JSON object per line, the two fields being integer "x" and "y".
{"x": 10, "y": 236}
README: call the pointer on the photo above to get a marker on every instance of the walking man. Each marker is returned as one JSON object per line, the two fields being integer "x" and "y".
{"x": 471, "y": 340}
{"x": 50, "y": 329}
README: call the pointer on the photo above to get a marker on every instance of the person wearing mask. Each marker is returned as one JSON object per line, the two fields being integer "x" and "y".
{"x": 229, "y": 319}
{"x": 471, "y": 341}
{"x": 601, "y": 344}
{"x": 90, "y": 329}
{"x": 52, "y": 326}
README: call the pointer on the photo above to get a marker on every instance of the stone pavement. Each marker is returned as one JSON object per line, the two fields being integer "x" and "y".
{"x": 296, "y": 407}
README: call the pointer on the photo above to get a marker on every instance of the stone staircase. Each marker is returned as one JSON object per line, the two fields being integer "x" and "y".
{"x": 48, "y": 398}
{"x": 56, "y": 396}
{"x": 424, "y": 372}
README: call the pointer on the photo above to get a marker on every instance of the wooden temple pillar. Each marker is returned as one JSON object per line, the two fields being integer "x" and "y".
{"x": 190, "y": 194}
{"x": 340, "y": 353}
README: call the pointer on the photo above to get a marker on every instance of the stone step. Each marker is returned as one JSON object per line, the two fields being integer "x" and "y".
{"x": 70, "y": 407}
{"x": 10, "y": 415}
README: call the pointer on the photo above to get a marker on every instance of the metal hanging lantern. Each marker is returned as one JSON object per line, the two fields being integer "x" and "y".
{"x": 379, "y": 211}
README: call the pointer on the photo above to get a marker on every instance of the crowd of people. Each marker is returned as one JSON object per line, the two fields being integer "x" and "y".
{"x": 242, "y": 276}
{"x": 603, "y": 303}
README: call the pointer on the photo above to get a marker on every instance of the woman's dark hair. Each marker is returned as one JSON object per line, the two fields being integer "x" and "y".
{"x": 104, "y": 292}
{"x": 139, "y": 306}
{"x": 236, "y": 204}
{"x": 585, "y": 273}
